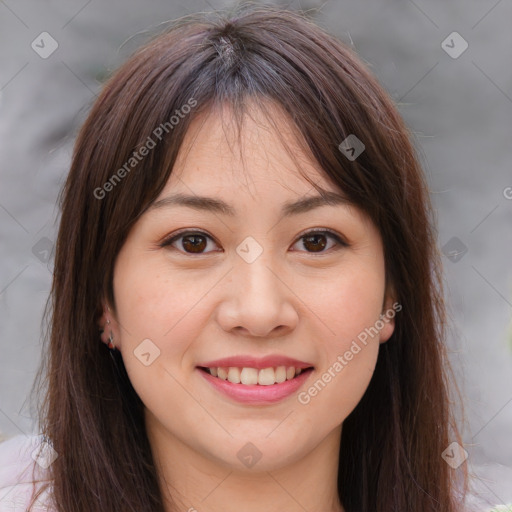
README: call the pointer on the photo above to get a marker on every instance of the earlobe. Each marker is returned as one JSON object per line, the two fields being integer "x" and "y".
{"x": 389, "y": 311}
{"x": 106, "y": 327}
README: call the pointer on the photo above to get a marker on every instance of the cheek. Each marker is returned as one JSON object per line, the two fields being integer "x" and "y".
{"x": 349, "y": 306}
{"x": 151, "y": 305}
{"x": 350, "y": 301}
{"x": 340, "y": 387}
{"x": 348, "y": 364}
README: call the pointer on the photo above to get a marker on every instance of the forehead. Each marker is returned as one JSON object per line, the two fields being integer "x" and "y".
{"x": 266, "y": 152}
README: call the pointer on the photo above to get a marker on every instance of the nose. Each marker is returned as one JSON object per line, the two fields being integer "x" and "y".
{"x": 258, "y": 301}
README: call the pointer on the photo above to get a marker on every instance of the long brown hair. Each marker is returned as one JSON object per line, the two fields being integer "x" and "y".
{"x": 390, "y": 456}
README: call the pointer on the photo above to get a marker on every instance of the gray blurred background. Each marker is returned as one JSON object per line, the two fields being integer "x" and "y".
{"x": 456, "y": 100}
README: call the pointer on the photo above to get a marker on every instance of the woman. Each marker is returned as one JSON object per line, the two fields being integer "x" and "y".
{"x": 246, "y": 308}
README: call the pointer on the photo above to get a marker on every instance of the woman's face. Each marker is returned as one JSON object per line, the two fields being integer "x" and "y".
{"x": 249, "y": 280}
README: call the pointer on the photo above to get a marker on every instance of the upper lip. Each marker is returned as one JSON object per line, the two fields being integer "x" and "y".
{"x": 270, "y": 361}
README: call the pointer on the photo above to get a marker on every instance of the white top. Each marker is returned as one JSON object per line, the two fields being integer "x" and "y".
{"x": 21, "y": 455}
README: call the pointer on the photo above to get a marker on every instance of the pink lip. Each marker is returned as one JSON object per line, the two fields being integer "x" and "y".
{"x": 257, "y": 394}
{"x": 254, "y": 362}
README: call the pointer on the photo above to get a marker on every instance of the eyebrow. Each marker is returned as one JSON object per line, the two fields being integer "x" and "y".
{"x": 210, "y": 204}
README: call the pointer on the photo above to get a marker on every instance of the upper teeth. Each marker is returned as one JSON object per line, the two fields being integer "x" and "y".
{"x": 263, "y": 377}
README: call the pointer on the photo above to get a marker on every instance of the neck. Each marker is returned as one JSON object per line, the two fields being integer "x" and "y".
{"x": 191, "y": 481}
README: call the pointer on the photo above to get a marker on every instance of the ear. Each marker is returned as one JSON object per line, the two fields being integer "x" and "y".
{"x": 389, "y": 310}
{"x": 108, "y": 326}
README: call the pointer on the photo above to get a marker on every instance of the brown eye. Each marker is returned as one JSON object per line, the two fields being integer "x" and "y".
{"x": 317, "y": 241}
{"x": 191, "y": 242}
{"x": 194, "y": 243}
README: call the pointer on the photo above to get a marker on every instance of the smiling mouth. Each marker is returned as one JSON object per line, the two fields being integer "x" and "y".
{"x": 254, "y": 376}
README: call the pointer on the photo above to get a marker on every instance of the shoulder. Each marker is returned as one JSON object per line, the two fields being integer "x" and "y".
{"x": 479, "y": 502}
{"x": 24, "y": 462}
{"x": 489, "y": 489}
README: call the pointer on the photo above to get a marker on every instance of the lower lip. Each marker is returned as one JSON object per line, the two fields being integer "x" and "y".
{"x": 257, "y": 394}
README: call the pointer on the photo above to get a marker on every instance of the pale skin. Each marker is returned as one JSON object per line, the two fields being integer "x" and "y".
{"x": 293, "y": 300}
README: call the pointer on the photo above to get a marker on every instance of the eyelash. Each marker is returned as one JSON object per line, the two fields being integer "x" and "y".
{"x": 332, "y": 234}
